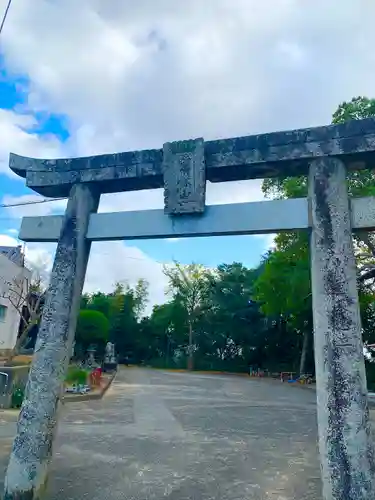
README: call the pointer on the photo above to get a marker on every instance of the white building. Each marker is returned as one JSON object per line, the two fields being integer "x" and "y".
{"x": 14, "y": 283}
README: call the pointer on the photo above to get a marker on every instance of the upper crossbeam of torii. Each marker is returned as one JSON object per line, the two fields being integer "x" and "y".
{"x": 253, "y": 157}
{"x": 183, "y": 168}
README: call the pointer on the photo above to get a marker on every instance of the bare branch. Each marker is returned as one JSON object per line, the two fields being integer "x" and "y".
{"x": 21, "y": 294}
{"x": 25, "y": 334}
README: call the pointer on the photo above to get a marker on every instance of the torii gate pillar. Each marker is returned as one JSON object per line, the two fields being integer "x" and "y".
{"x": 345, "y": 441}
{"x": 27, "y": 471}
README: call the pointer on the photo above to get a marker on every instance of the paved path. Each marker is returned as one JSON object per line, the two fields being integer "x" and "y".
{"x": 177, "y": 436}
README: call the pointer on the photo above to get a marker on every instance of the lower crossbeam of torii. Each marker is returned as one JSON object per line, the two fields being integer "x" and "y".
{"x": 182, "y": 168}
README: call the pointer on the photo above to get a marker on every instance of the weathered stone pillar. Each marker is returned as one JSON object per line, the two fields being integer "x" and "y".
{"x": 32, "y": 448}
{"x": 345, "y": 443}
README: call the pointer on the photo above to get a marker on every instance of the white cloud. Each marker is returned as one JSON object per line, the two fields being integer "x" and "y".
{"x": 109, "y": 262}
{"x": 268, "y": 239}
{"x": 114, "y": 261}
{"x": 14, "y": 137}
{"x": 132, "y": 75}
{"x": 30, "y": 205}
{"x": 136, "y": 75}
{"x": 8, "y": 241}
{"x": 222, "y": 193}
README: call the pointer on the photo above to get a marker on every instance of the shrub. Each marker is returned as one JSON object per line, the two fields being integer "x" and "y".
{"x": 76, "y": 375}
{"x": 18, "y": 393}
{"x": 92, "y": 328}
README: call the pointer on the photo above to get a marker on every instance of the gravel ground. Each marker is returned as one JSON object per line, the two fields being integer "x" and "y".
{"x": 177, "y": 436}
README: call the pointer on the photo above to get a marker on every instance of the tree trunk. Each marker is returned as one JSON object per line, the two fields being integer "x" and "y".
{"x": 190, "y": 354}
{"x": 21, "y": 339}
{"x": 305, "y": 350}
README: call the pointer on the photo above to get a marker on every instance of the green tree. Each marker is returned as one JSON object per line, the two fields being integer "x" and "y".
{"x": 92, "y": 328}
{"x": 100, "y": 302}
{"x": 284, "y": 290}
{"x": 164, "y": 333}
{"x": 358, "y": 108}
{"x": 189, "y": 285}
{"x": 123, "y": 320}
{"x": 360, "y": 182}
{"x": 292, "y": 257}
{"x": 123, "y": 308}
{"x": 237, "y": 332}
{"x": 230, "y": 331}
{"x": 140, "y": 297}
{"x": 85, "y": 299}
{"x": 231, "y": 321}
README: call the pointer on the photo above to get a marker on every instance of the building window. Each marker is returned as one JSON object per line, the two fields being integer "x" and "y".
{"x": 3, "y": 312}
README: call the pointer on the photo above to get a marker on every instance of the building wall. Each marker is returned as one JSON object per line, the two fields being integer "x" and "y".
{"x": 14, "y": 281}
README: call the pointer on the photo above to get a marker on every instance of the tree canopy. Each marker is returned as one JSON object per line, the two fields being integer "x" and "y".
{"x": 285, "y": 285}
{"x": 92, "y": 328}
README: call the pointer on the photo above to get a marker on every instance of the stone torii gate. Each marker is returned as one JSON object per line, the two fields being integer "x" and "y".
{"x": 182, "y": 168}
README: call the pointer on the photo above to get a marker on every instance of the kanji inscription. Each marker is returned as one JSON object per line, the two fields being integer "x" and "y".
{"x": 184, "y": 173}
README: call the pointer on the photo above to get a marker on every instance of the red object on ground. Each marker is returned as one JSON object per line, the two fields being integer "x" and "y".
{"x": 95, "y": 376}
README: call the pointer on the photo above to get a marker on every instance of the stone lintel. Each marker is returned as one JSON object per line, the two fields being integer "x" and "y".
{"x": 252, "y": 157}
